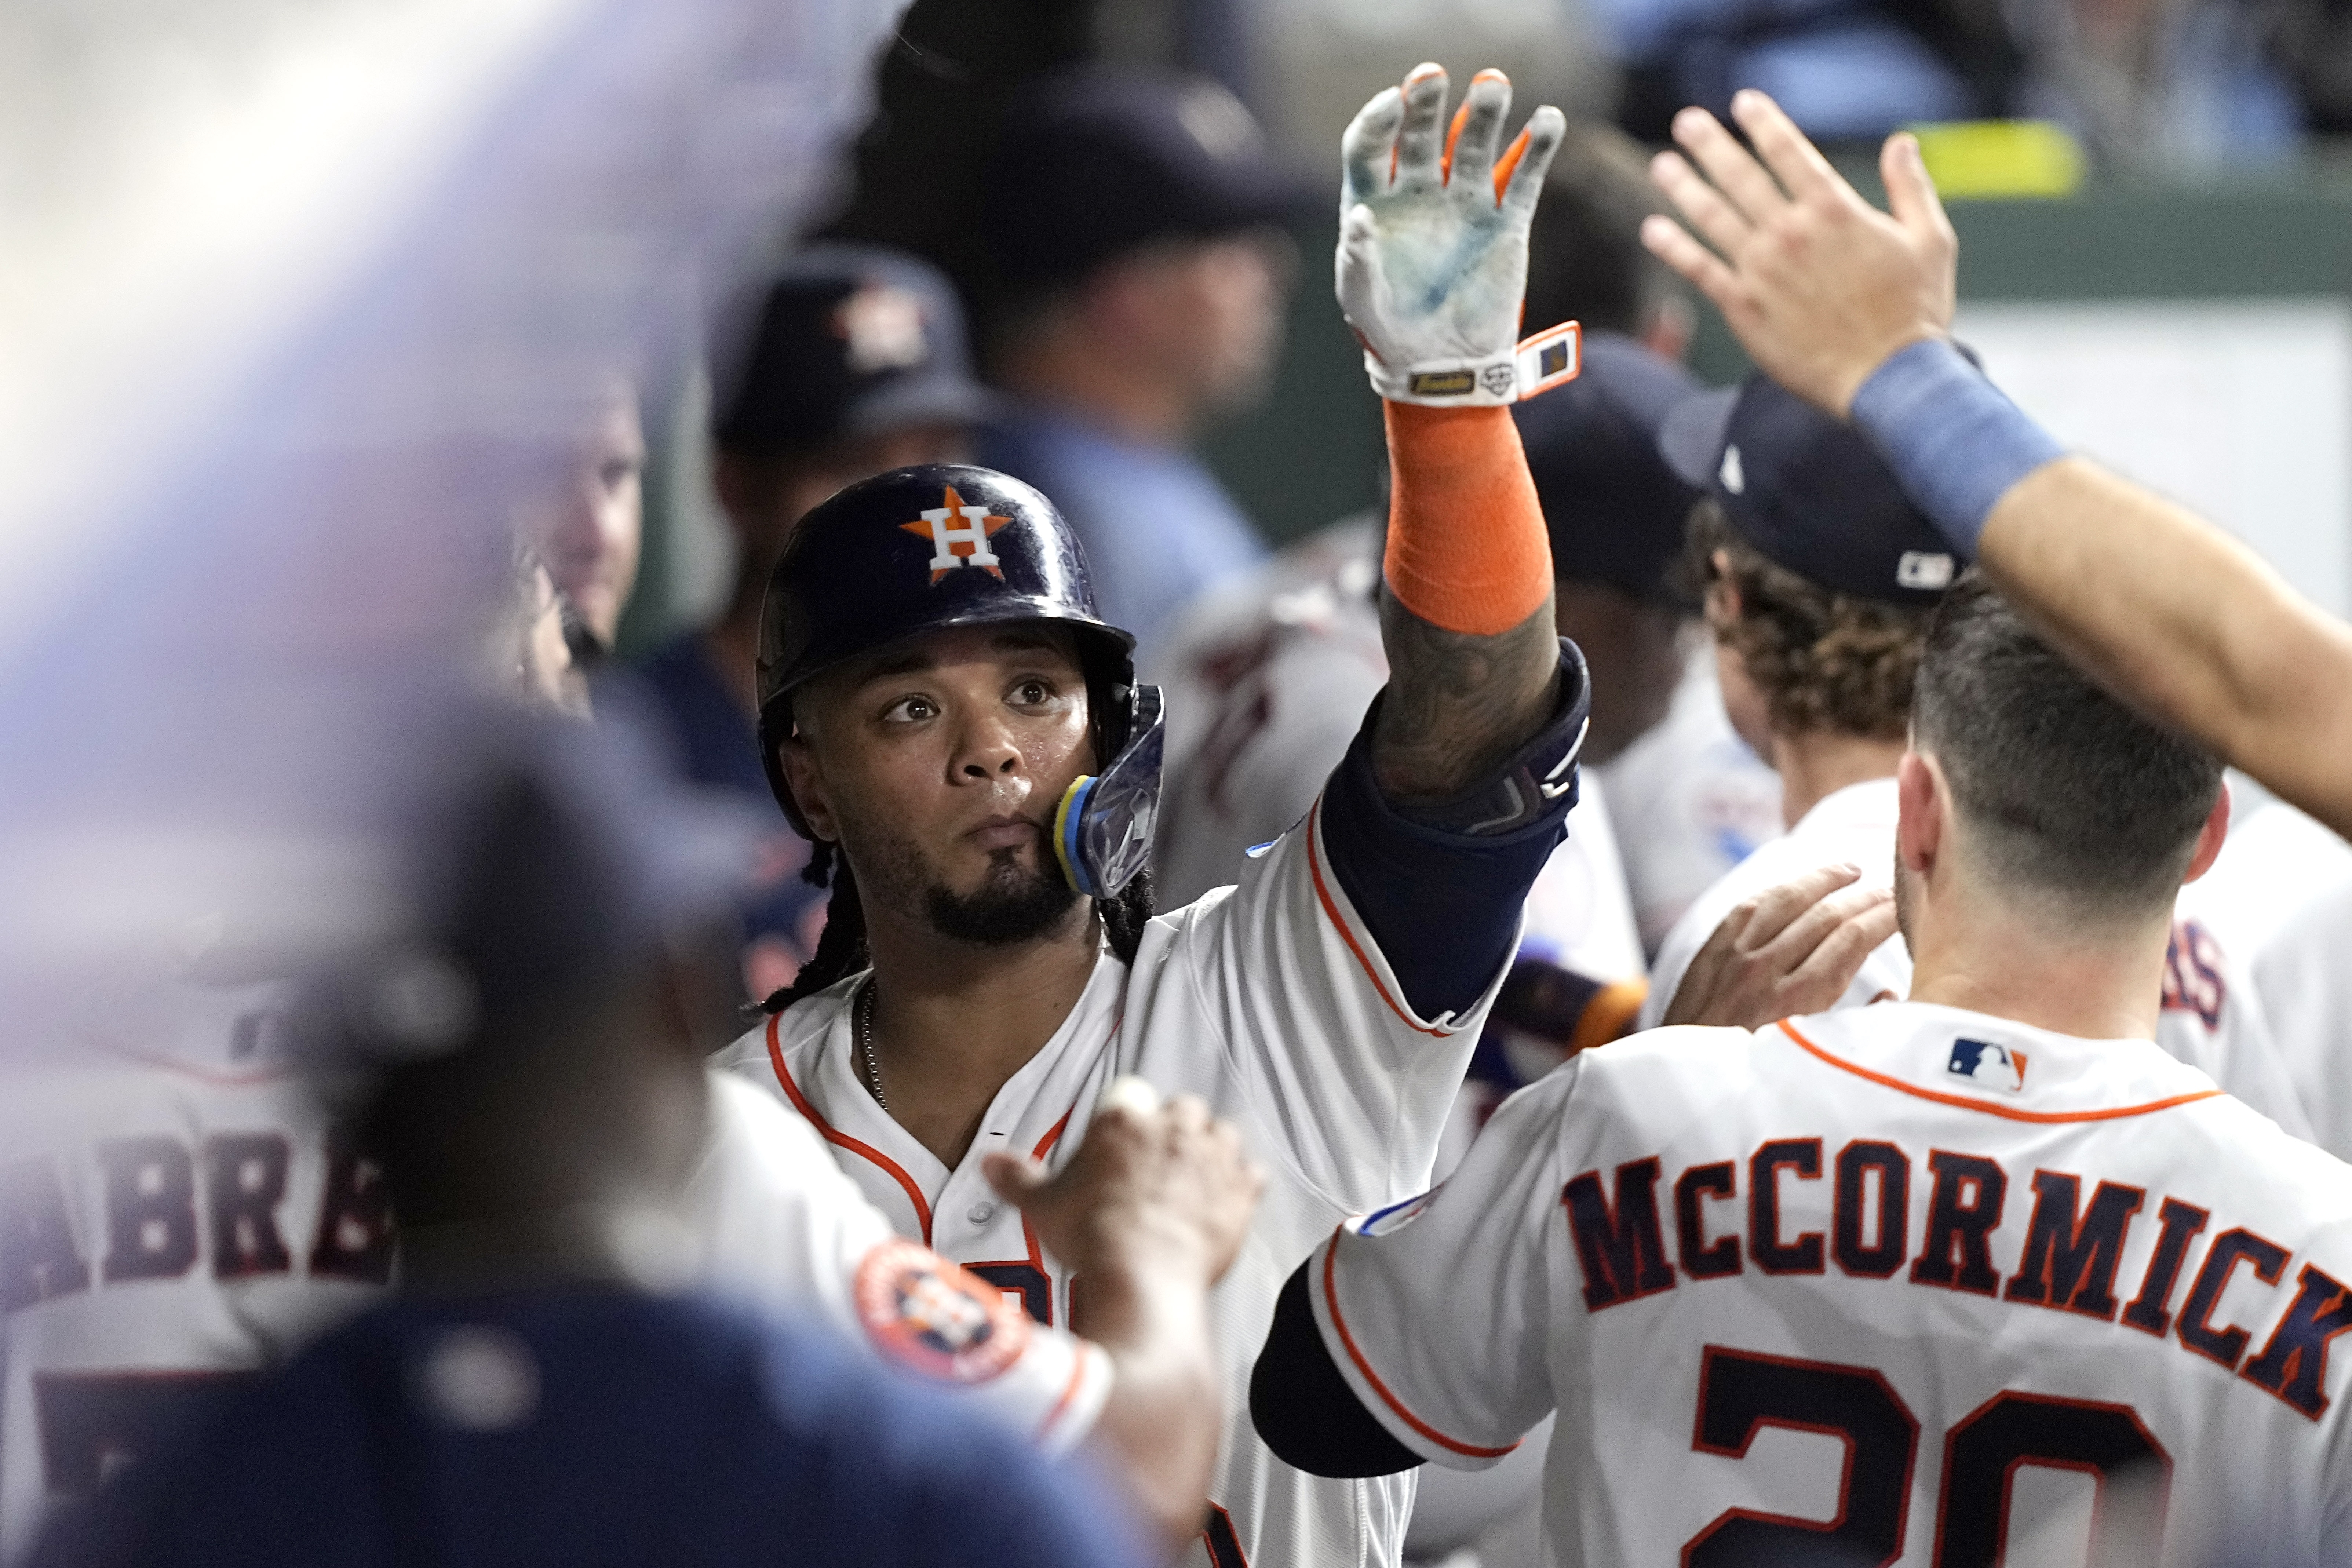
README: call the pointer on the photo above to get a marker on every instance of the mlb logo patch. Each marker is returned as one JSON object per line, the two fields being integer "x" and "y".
{"x": 1987, "y": 1066}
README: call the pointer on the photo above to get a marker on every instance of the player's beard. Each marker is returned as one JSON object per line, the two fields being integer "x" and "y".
{"x": 1014, "y": 904}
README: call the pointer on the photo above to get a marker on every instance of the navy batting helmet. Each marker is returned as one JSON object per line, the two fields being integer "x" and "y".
{"x": 922, "y": 549}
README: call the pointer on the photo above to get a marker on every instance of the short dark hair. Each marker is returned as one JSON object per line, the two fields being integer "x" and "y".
{"x": 1823, "y": 661}
{"x": 1586, "y": 261}
{"x": 2072, "y": 794}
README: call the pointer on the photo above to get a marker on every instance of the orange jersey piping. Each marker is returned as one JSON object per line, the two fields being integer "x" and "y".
{"x": 1314, "y": 868}
{"x": 1044, "y": 1147}
{"x": 1331, "y": 1300}
{"x": 842, "y": 1139}
{"x": 2111, "y": 1114}
{"x": 1080, "y": 1349}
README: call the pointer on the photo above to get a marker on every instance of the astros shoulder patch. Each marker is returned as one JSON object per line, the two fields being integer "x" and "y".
{"x": 936, "y": 1317}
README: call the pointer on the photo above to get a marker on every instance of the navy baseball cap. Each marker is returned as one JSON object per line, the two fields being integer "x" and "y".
{"x": 849, "y": 340}
{"x": 1808, "y": 492}
{"x": 1108, "y": 161}
{"x": 1615, "y": 510}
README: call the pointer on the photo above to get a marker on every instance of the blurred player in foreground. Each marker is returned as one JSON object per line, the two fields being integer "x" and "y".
{"x": 184, "y": 1201}
{"x": 181, "y": 1206}
{"x": 540, "y": 1393}
{"x": 948, "y": 716}
{"x": 2011, "y": 1256}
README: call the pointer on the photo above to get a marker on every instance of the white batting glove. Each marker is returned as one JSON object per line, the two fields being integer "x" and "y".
{"x": 1432, "y": 262}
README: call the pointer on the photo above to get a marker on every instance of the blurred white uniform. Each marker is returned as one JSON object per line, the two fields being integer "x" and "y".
{"x": 2275, "y": 858}
{"x": 1690, "y": 800}
{"x": 179, "y": 1212}
{"x": 1904, "y": 1284}
{"x": 174, "y": 1221}
{"x": 1270, "y": 1002}
{"x": 2211, "y": 1018}
{"x": 2304, "y": 978}
{"x": 1266, "y": 682}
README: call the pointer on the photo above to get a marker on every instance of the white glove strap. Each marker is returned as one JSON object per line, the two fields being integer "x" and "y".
{"x": 1447, "y": 382}
{"x": 1535, "y": 366}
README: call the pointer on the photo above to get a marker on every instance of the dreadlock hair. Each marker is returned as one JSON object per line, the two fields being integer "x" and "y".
{"x": 841, "y": 951}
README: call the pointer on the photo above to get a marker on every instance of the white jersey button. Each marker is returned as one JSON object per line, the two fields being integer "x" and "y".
{"x": 981, "y": 1213}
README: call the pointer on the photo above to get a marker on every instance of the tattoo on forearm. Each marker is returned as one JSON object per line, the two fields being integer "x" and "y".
{"x": 1457, "y": 704}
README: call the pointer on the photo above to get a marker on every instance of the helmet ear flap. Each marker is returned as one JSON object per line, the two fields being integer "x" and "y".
{"x": 1110, "y": 714}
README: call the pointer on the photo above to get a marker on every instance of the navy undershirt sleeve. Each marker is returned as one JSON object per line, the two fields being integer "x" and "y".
{"x": 1305, "y": 1410}
{"x": 1442, "y": 902}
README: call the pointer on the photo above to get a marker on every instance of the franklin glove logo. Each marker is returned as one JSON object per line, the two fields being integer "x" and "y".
{"x": 960, "y": 536}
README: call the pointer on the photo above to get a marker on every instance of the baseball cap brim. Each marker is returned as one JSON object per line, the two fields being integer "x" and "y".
{"x": 1691, "y": 440}
{"x": 1246, "y": 194}
{"x": 921, "y": 400}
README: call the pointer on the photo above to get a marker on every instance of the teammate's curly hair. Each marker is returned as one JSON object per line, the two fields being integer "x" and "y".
{"x": 842, "y": 951}
{"x": 1824, "y": 660}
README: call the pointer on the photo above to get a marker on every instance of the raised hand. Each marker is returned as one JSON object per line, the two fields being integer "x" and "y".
{"x": 1432, "y": 259}
{"x": 1819, "y": 286}
{"x": 1789, "y": 950}
{"x": 1155, "y": 1186}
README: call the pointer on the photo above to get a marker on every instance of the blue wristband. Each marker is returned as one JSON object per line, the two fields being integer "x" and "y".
{"x": 1955, "y": 443}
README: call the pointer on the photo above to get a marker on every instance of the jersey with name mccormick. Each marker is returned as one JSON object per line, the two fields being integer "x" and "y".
{"x": 1894, "y": 1284}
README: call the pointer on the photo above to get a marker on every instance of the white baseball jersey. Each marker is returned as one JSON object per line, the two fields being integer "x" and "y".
{"x": 1917, "y": 1282}
{"x": 175, "y": 1220}
{"x": 778, "y": 1228}
{"x": 178, "y": 1212}
{"x": 1270, "y": 1002}
{"x": 1691, "y": 801}
{"x": 2211, "y": 1018}
{"x": 2275, "y": 858}
{"x": 1266, "y": 682}
{"x": 2304, "y": 978}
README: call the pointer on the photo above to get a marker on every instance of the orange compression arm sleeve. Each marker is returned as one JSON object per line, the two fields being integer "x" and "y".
{"x": 1466, "y": 550}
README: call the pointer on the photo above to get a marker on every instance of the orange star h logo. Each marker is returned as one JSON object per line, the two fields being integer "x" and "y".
{"x": 959, "y": 536}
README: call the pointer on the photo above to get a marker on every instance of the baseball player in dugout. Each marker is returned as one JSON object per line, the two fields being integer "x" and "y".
{"x": 948, "y": 718}
{"x": 1821, "y": 576}
{"x": 2034, "y": 1276}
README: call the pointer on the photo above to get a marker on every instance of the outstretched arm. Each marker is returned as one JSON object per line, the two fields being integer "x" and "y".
{"x": 1150, "y": 1212}
{"x": 2178, "y": 618}
{"x": 1850, "y": 307}
{"x": 1430, "y": 270}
